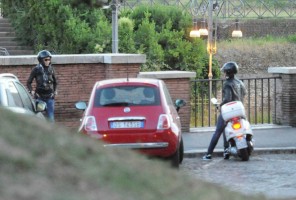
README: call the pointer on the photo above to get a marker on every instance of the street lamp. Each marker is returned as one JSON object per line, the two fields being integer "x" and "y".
{"x": 115, "y": 7}
{"x": 203, "y": 30}
{"x": 237, "y": 33}
{"x": 211, "y": 48}
{"x": 195, "y": 32}
{"x": 115, "y": 4}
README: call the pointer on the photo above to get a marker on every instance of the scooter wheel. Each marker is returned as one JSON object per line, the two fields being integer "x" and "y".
{"x": 250, "y": 147}
{"x": 244, "y": 154}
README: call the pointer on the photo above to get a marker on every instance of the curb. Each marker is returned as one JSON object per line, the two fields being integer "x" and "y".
{"x": 257, "y": 151}
{"x": 254, "y": 127}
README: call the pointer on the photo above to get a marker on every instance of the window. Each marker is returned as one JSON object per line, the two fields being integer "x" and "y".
{"x": 25, "y": 97}
{"x": 167, "y": 95}
{"x": 127, "y": 95}
{"x": 13, "y": 96}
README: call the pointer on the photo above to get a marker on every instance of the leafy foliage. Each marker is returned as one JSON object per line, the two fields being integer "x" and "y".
{"x": 161, "y": 32}
{"x": 72, "y": 26}
{"x": 292, "y": 38}
{"x": 126, "y": 35}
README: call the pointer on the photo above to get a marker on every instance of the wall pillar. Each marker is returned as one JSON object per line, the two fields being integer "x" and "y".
{"x": 179, "y": 85}
{"x": 285, "y": 96}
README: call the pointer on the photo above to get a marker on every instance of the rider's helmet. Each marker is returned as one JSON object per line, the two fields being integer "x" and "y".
{"x": 43, "y": 54}
{"x": 230, "y": 69}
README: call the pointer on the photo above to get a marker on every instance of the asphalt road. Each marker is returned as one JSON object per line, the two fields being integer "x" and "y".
{"x": 273, "y": 175}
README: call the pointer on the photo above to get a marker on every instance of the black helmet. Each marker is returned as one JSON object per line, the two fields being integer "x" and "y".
{"x": 43, "y": 54}
{"x": 230, "y": 69}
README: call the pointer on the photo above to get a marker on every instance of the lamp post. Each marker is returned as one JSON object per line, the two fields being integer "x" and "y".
{"x": 211, "y": 48}
{"x": 115, "y": 6}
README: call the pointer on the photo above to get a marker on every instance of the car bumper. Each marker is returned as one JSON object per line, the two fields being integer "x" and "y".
{"x": 150, "y": 145}
{"x": 160, "y": 144}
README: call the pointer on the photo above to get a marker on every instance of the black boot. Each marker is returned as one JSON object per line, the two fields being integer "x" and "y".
{"x": 226, "y": 154}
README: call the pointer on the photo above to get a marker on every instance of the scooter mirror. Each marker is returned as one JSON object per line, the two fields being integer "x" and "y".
{"x": 214, "y": 101}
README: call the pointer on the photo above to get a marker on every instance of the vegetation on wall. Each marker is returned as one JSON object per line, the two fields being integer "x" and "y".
{"x": 75, "y": 27}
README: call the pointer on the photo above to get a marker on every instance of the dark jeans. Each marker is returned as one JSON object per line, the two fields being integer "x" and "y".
{"x": 220, "y": 126}
{"x": 49, "y": 108}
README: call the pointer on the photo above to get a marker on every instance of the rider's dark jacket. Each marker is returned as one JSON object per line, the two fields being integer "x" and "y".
{"x": 233, "y": 90}
{"x": 46, "y": 82}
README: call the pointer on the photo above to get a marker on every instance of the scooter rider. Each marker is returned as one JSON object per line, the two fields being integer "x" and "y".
{"x": 46, "y": 82}
{"x": 233, "y": 90}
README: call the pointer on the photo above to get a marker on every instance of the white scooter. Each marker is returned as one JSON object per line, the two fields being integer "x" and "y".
{"x": 238, "y": 130}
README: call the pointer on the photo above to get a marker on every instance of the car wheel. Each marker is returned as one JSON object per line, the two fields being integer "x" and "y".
{"x": 181, "y": 151}
{"x": 176, "y": 157}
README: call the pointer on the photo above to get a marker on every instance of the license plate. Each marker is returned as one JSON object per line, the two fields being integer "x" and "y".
{"x": 241, "y": 143}
{"x": 127, "y": 124}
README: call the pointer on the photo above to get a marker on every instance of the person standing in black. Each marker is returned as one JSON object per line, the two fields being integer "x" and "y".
{"x": 233, "y": 90}
{"x": 46, "y": 82}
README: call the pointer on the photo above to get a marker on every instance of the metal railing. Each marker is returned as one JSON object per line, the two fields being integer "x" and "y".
{"x": 259, "y": 101}
{"x": 227, "y": 8}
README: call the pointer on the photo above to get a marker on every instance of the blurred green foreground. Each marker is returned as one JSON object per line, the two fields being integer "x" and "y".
{"x": 39, "y": 161}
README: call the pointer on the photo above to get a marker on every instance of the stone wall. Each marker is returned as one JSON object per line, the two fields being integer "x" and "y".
{"x": 78, "y": 73}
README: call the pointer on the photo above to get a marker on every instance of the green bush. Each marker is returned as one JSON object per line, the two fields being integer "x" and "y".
{"x": 292, "y": 38}
{"x": 74, "y": 27}
{"x": 162, "y": 33}
{"x": 126, "y": 35}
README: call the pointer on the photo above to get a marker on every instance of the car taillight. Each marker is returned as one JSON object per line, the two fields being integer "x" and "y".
{"x": 163, "y": 122}
{"x": 90, "y": 123}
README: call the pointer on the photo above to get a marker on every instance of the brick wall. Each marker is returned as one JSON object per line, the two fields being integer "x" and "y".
{"x": 289, "y": 99}
{"x": 179, "y": 89}
{"x": 285, "y": 96}
{"x": 78, "y": 73}
{"x": 179, "y": 85}
{"x": 76, "y": 82}
{"x": 76, "y": 77}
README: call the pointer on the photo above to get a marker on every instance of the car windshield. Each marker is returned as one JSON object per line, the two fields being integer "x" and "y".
{"x": 127, "y": 96}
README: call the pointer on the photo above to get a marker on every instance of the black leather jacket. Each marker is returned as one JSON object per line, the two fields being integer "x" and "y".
{"x": 233, "y": 90}
{"x": 46, "y": 82}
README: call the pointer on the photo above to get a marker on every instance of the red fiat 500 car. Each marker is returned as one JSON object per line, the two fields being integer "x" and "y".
{"x": 135, "y": 113}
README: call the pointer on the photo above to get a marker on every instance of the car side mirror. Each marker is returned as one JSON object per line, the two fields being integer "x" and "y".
{"x": 40, "y": 106}
{"x": 80, "y": 105}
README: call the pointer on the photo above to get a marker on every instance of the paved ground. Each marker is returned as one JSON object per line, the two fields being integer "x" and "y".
{"x": 268, "y": 139}
{"x": 270, "y": 171}
{"x": 273, "y": 175}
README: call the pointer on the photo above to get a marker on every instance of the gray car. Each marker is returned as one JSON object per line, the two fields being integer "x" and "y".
{"x": 15, "y": 97}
